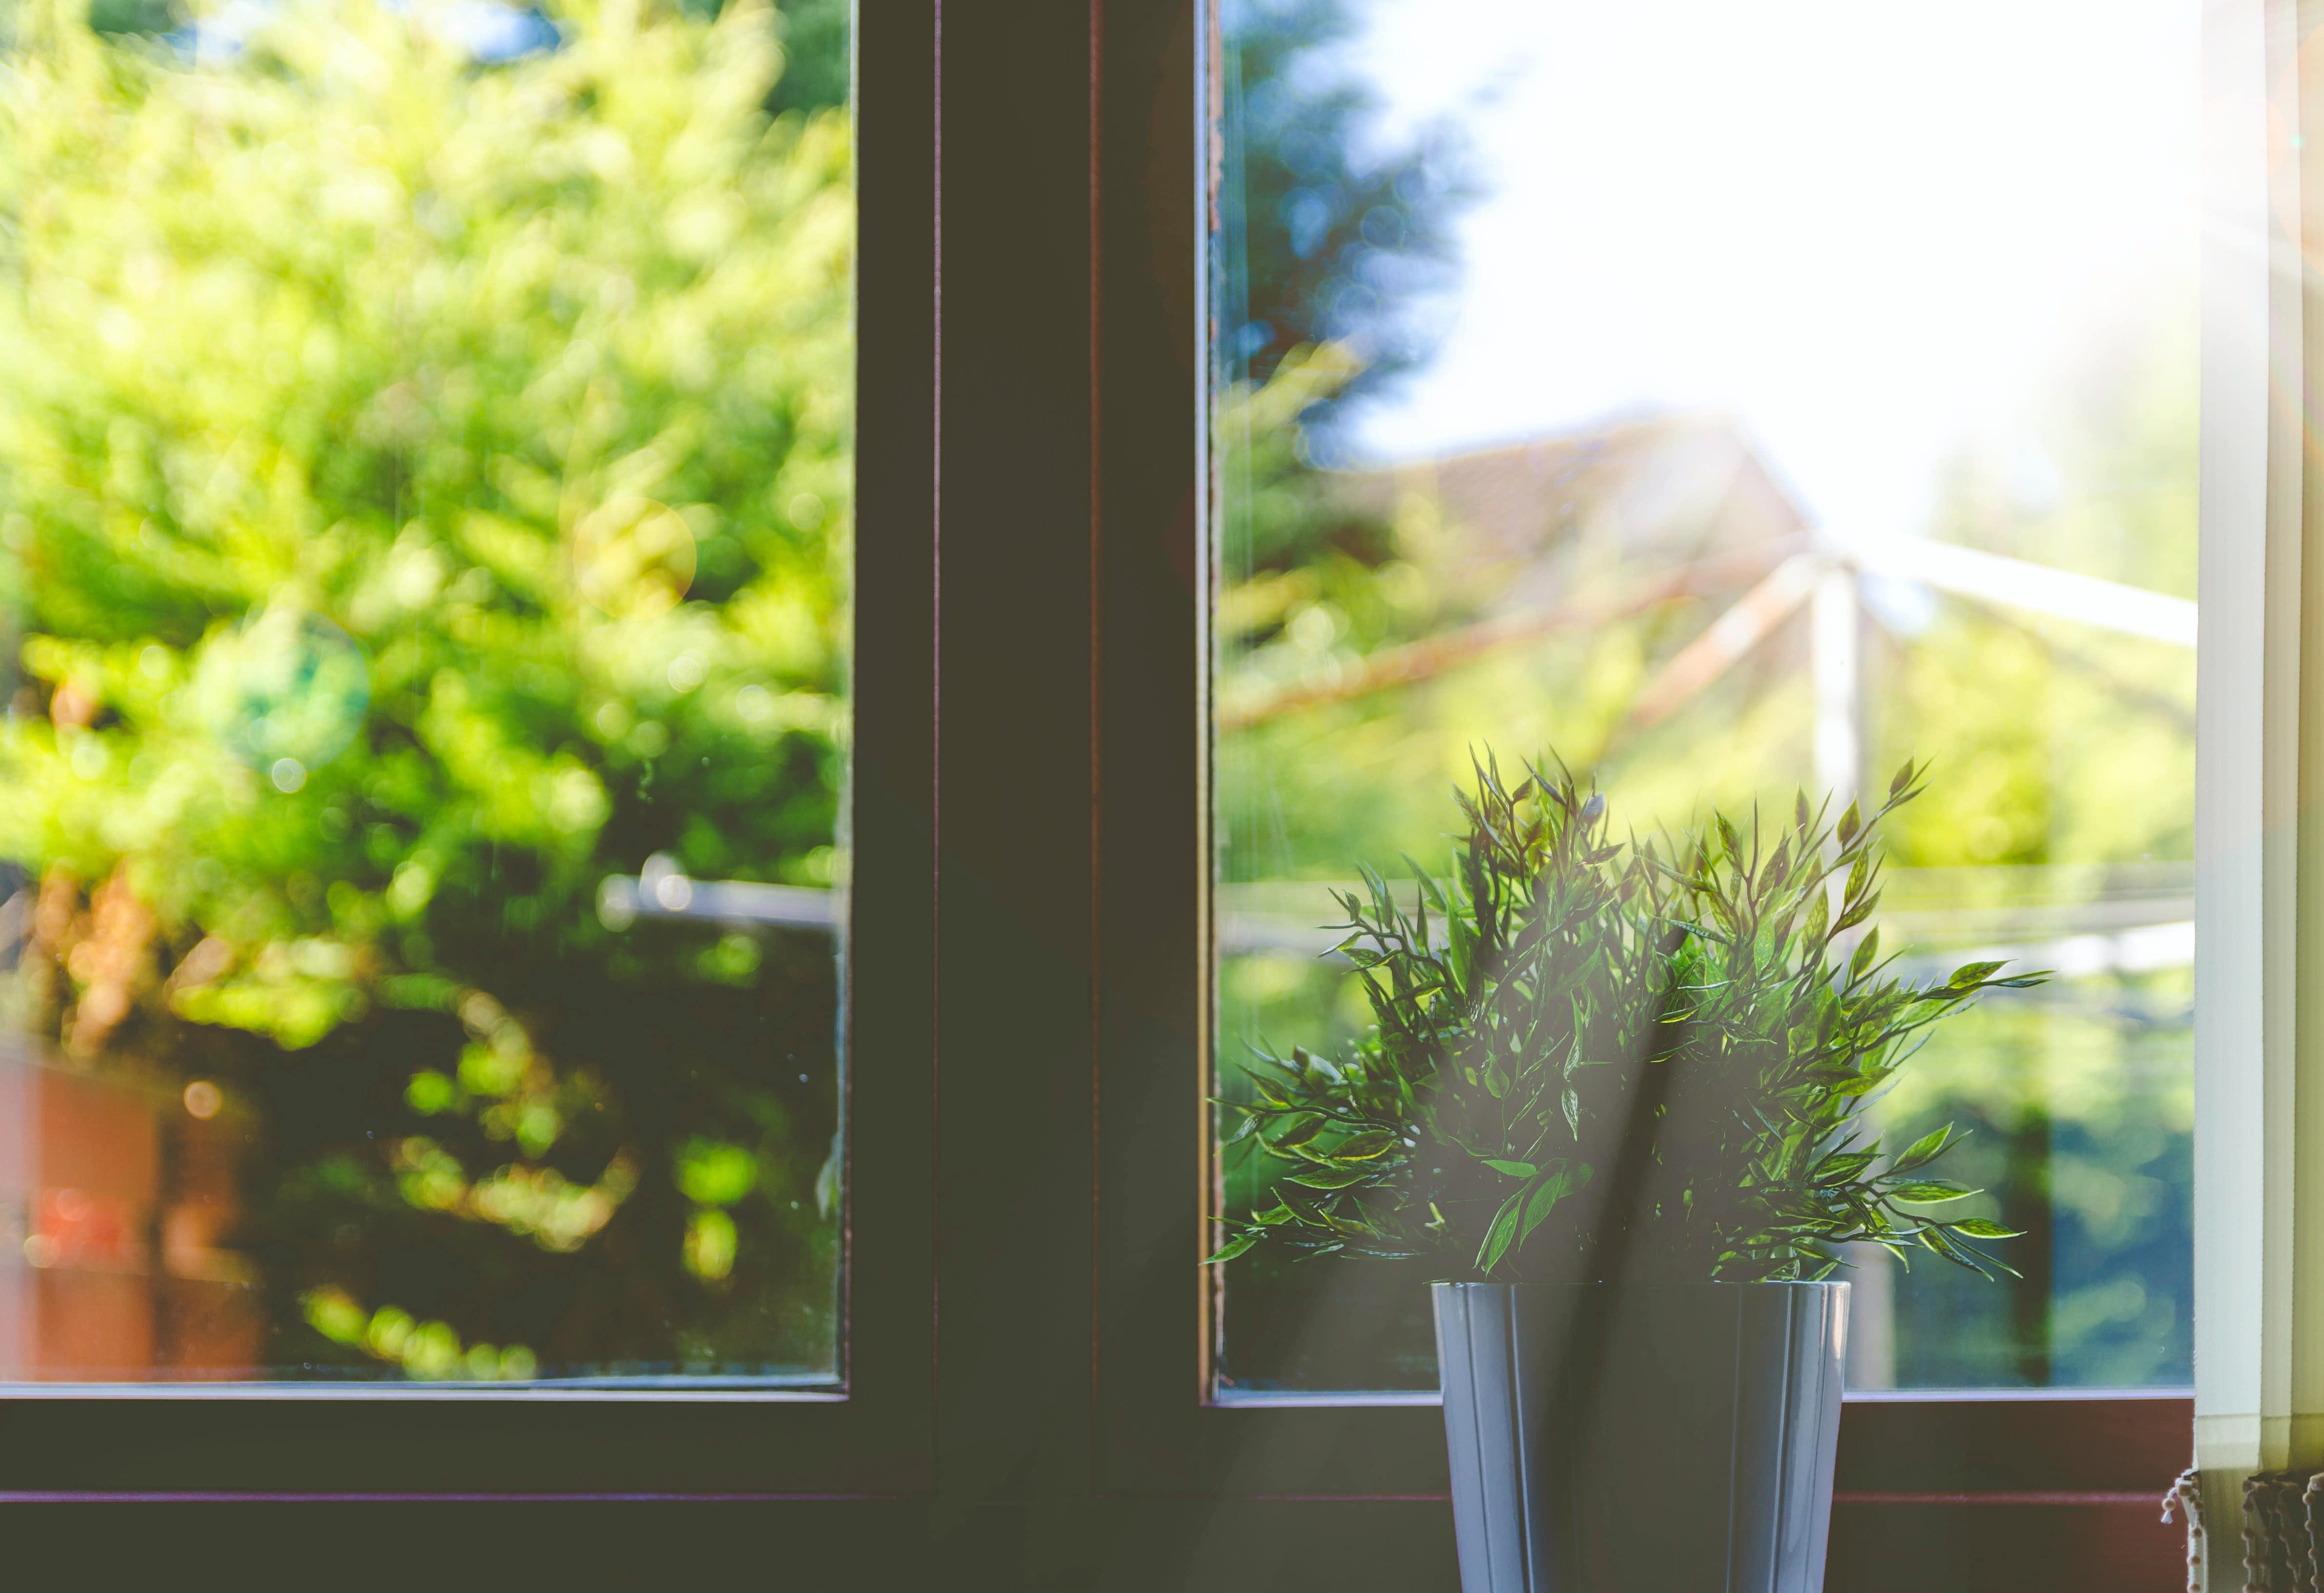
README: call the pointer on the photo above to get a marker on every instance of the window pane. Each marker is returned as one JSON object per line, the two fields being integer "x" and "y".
{"x": 425, "y": 484}
{"x": 1729, "y": 400}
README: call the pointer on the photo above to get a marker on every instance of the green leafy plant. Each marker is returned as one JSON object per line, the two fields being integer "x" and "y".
{"x": 1597, "y": 1059}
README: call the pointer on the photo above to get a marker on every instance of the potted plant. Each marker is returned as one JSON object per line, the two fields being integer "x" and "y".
{"x": 1615, "y": 1090}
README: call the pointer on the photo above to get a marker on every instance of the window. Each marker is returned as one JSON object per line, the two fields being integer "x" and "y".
{"x": 1668, "y": 395}
{"x": 622, "y": 311}
{"x": 1029, "y": 1361}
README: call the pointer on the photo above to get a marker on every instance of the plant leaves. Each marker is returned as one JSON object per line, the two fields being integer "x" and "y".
{"x": 1928, "y": 1192}
{"x": 1364, "y": 1147}
{"x": 1304, "y": 1212}
{"x": 1230, "y": 1249}
{"x": 1979, "y": 1227}
{"x": 1301, "y": 1131}
{"x": 1922, "y": 1151}
{"x": 1694, "y": 978}
{"x": 1500, "y": 1234}
{"x": 1867, "y": 951}
{"x": 1553, "y": 1190}
{"x": 1836, "y": 1168}
{"x": 1332, "y": 1178}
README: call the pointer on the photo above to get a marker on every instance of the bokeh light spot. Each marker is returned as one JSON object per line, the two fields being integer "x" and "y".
{"x": 632, "y": 557}
{"x": 285, "y": 687}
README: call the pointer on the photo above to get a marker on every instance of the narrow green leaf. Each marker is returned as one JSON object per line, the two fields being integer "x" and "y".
{"x": 1230, "y": 1249}
{"x": 1332, "y": 1178}
{"x": 1364, "y": 1147}
{"x": 1867, "y": 951}
{"x": 1544, "y": 1199}
{"x": 1927, "y": 1191}
{"x": 1514, "y": 1169}
{"x": 1859, "y": 873}
{"x": 1980, "y": 1228}
{"x": 1924, "y": 1150}
{"x": 1300, "y": 1132}
{"x": 1934, "y": 1239}
{"x": 1304, "y": 1212}
{"x": 1498, "y": 1236}
{"x": 1778, "y": 864}
{"x": 1836, "y": 1169}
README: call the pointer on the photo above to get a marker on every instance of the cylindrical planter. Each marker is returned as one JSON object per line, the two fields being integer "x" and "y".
{"x": 1654, "y": 1437}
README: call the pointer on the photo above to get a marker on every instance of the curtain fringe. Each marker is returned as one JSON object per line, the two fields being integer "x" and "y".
{"x": 2284, "y": 1529}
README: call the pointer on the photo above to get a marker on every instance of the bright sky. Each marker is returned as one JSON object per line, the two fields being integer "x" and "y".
{"x": 1868, "y": 230}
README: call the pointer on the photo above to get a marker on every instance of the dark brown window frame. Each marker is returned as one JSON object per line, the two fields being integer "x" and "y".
{"x": 1987, "y": 1490}
{"x": 869, "y": 1439}
{"x": 1026, "y": 1400}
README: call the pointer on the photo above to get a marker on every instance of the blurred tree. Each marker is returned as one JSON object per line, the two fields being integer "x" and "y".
{"x": 1334, "y": 230}
{"x": 816, "y": 67}
{"x": 424, "y": 493}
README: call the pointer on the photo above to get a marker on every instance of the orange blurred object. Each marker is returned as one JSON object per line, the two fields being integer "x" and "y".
{"x": 99, "y": 1179}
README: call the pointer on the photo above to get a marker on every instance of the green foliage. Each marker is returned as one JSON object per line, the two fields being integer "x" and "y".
{"x": 1314, "y": 573}
{"x": 1340, "y": 227}
{"x": 816, "y": 65}
{"x": 424, "y": 493}
{"x": 1595, "y": 1059}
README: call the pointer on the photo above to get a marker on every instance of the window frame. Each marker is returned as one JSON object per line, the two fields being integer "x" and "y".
{"x": 1027, "y": 1386}
{"x": 2029, "y": 1487}
{"x": 867, "y": 1437}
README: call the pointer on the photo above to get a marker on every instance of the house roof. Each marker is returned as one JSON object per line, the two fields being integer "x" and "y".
{"x": 1530, "y": 520}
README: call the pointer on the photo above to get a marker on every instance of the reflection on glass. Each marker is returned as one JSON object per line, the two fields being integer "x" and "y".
{"x": 1731, "y": 401}
{"x": 424, "y": 561}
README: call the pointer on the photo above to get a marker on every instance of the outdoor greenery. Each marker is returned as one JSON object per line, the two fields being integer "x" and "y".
{"x": 423, "y": 494}
{"x": 1342, "y": 231}
{"x": 1605, "y": 1058}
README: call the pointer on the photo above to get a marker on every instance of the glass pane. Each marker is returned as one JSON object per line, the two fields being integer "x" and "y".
{"x": 1729, "y": 400}
{"x": 425, "y": 484}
